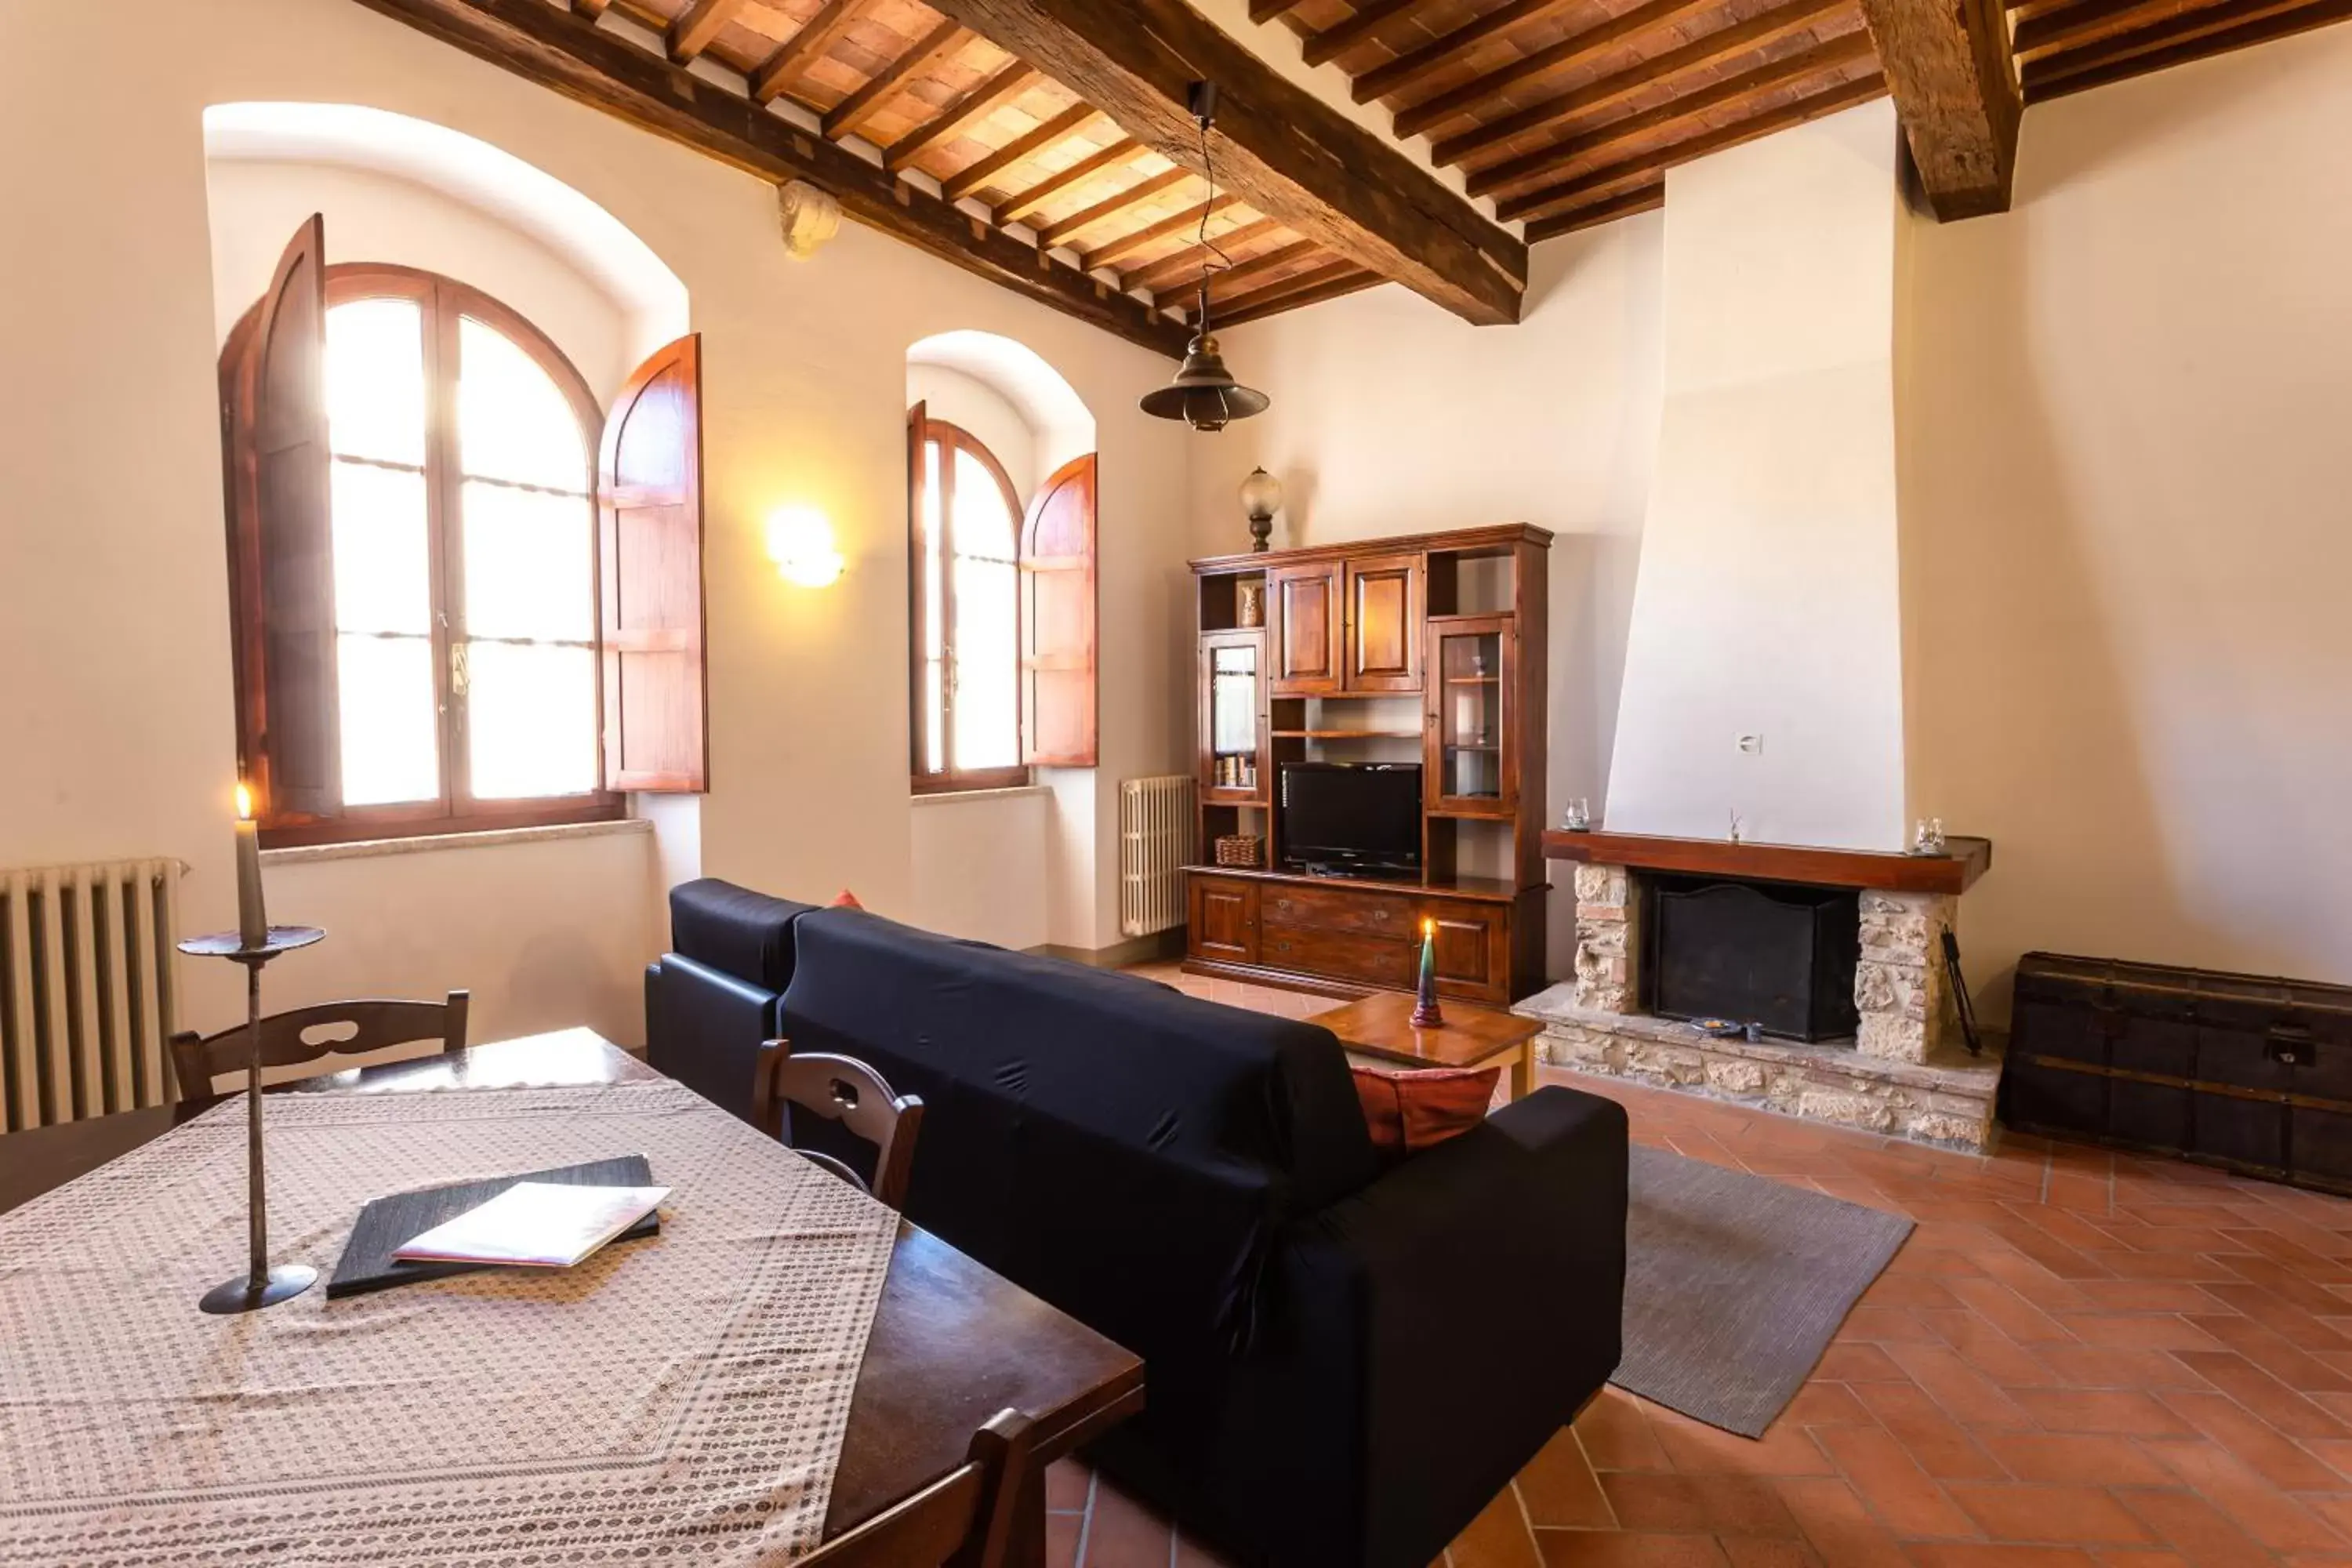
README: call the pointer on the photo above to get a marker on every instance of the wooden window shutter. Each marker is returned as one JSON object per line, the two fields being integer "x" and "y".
{"x": 282, "y": 559}
{"x": 1057, "y": 620}
{"x": 649, "y": 544}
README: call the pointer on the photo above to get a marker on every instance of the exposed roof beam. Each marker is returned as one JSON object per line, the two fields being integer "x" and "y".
{"x": 1268, "y": 10}
{"x": 1021, "y": 203}
{"x": 1954, "y": 80}
{"x": 1230, "y": 280}
{"x": 697, "y": 25}
{"x": 1109, "y": 252}
{"x": 1437, "y": 54}
{"x": 2176, "y": 41}
{"x": 1676, "y": 111}
{"x": 1708, "y": 50}
{"x": 2092, "y": 21}
{"x": 1639, "y": 199}
{"x": 980, "y": 103}
{"x": 1281, "y": 149}
{"x": 608, "y": 72}
{"x": 1540, "y": 206}
{"x": 1103, "y": 211}
{"x": 851, "y": 112}
{"x": 1341, "y": 36}
{"x": 591, "y": 9}
{"x": 773, "y": 75}
{"x": 1292, "y": 294}
{"x": 1620, "y": 29}
{"x": 1068, "y": 123}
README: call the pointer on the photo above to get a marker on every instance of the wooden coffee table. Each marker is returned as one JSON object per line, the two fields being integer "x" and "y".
{"x": 1382, "y": 1025}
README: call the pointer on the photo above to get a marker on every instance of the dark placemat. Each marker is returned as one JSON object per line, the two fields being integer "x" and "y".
{"x": 388, "y": 1224}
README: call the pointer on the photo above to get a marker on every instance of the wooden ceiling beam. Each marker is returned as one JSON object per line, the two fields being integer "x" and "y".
{"x": 1675, "y": 112}
{"x": 1021, "y": 204}
{"x": 2216, "y": 29}
{"x": 1538, "y": 206}
{"x": 697, "y": 25}
{"x": 846, "y": 117}
{"x": 1264, "y": 11}
{"x": 1111, "y": 208}
{"x": 1360, "y": 27}
{"x": 1226, "y": 282}
{"x": 1110, "y": 251}
{"x": 969, "y": 181}
{"x": 1184, "y": 264}
{"x": 1408, "y": 70}
{"x": 591, "y": 9}
{"x": 1949, "y": 66}
{"x": 2091, "y": 22}
{"x": 1639, "y": 199}
{"x": 1644, "y": 18}
{"x": 979, "y": 103}
{"x": 1279, "y": 148}
{"x": 773, "y": 75}
{"x": 1328, "y": 282}
{"x": 614, "y": 74}
{"x": 1764, "y": 28}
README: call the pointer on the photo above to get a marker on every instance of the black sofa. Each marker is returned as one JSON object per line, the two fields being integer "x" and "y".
{"x": 714, "y": 998}
{"x": 1343, "y": 1364}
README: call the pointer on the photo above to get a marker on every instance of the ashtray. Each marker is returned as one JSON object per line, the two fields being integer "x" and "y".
{"x": 1720, "y": 1028}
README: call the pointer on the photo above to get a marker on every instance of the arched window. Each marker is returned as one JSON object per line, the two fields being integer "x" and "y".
{"x": 458, "y": 602}
{"x": 965, "y": 582}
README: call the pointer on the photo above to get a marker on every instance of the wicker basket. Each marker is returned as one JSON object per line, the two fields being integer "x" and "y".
{"x": 1240, "y": 849}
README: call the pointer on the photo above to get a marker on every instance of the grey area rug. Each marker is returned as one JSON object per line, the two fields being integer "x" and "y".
{"x": 1733, "y": 1285}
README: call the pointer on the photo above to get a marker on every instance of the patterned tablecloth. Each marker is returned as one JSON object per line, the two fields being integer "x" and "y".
{"x": 680, "y": 1399}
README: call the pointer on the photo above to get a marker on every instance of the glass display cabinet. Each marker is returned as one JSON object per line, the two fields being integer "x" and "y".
{"x": 1471, "y": 768}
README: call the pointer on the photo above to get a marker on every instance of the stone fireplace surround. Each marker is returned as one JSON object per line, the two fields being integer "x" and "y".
{"x": 1905, "y": 1072}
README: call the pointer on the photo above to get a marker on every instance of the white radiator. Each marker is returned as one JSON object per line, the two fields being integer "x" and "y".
{"x": 1155, "y": 839}
{"x": 86, "y": 989}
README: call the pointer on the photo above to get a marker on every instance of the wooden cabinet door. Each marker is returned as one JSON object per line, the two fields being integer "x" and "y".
{"x": 1473, "y": 950}
{"x": 1222, "y": 918}
{"x": 1383, "y": 623}
{"x": 1471, "y": 767}
{"x": 1306, "y": 616}
{"x": 1232, "y": 739}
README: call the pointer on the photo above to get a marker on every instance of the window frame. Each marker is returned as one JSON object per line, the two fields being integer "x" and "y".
{"x": 444, "y": 301}
{"x": 952, "y": 438}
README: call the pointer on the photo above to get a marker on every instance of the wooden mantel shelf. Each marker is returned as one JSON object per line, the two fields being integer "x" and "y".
{"x": 1885, "y": 872}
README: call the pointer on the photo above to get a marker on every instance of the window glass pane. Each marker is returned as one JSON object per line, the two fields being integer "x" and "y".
{"x": 375, "y": 381}
{"x": 987, "y": 711}
{"x": 382, "y": 567}
{"x": 392, "y": 749}
{"x": 982, "y": 525}
{"x": 513, "y": 421}
{"x": 935, "y": 729}
{"x": 531, "y": 719}
{"x": 933, "y": 542}
{"x": 528, "y": 563}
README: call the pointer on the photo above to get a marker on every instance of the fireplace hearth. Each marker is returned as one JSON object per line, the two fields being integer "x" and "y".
{"x": 1780, "y": 956}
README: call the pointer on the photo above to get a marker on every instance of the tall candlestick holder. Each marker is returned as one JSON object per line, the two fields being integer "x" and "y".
{"x": 261, "y": 1285}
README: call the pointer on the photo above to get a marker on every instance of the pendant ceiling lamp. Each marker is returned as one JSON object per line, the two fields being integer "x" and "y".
{"x": 1204, "y": 394}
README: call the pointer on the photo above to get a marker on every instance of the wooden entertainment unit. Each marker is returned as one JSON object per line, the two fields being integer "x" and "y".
{"x": 1426, "y": 649}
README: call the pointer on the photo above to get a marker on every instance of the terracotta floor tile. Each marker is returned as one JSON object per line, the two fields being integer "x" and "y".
{"x": 1942, "y": 1448}
{"x": 1558, "y": 1488}
{"x": 2068, "y": 1514}
{"x": 2297, "y": 1369}
{"x": 2164, "y": 1331}
{"x": 1838, "y": 1525}
{"x": 1617, "y": 1435}
{"x": 1062, "y": 1532}
{"x": 1659, "y": 1500}
{"x": 1761, "y": 1551}
{"x": 1855, "y": 1362}
{"x": 1901, "y": 1493}
{"x": 2079, "y": 1458}
{"x": 1123, "y": 1534}
{"x": 2255, "y": 1506}
{"x": 1989, "y": 1351}
{"x": 2263, "y": 1394}
{"x": 1067, "y": 1482}
{"x": 1997, "y": 1554}
{"x": 2107, "y": 1366}
{"x": 2290, "y": 1321}
{"x": 2127, "y": 1412}
{"x": 2222, "y": 1420}
{"x": 2009, "y": 1312}
{"x": 1596, "y": 1549}
{"x": 2193, "y": 1525}
{"x": 1786, "y": 1449}
{"x": 1498, "y": 1538}
{"x": 1966, "y": 1395}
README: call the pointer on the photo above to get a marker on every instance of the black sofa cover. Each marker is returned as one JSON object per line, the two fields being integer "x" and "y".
{"x": 1343, "y": 1365}
{"x": 711, "y": 1001}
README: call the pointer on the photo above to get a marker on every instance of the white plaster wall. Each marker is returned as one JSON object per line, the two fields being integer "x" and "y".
{"x": 1769, "y": 601}
{"x": 988, "y": 414}
{"x": 2125, "y": 481}
{"x": 114, "y": 595}
{"x": 981, "y": 865}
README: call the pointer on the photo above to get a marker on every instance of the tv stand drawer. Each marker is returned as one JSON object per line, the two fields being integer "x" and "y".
{"x": 1348, "y": 909}
{"x": 1384, "y": 961}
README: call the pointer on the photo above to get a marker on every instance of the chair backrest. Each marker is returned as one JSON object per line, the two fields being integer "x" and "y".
{"x": 307, "y": 1034}
{"x": 842, "y": 1090}
{"x": 965, "y": 1519}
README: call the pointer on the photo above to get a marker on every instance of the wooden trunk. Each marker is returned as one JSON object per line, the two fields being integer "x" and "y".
{"x": 2249, "y": 1074}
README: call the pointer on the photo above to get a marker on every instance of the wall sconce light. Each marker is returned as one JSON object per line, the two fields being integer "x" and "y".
{"x": 799, "y": 541}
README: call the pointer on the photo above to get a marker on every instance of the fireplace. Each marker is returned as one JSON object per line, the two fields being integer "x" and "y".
{"x": 1773, "y": 953}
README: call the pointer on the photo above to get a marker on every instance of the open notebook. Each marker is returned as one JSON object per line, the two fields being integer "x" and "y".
{"x": 535, "y": 1225}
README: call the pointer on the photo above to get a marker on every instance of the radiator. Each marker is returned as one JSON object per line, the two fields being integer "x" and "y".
{"x": 86, "y": 989}
{"x": 1155, "y": 839}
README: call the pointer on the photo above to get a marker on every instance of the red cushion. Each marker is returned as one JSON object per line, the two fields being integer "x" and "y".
{"x": 846, "y": 899}
{"x": 1412, "y": 1110}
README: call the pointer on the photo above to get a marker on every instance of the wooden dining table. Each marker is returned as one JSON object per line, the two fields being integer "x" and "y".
{"x": 952, "y": 1343}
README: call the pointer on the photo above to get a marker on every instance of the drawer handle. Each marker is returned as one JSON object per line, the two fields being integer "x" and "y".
{"x": 1282, "y": 947}
{"x": 1380, "y": 914}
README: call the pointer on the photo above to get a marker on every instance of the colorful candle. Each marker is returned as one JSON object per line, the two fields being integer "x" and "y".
{"x": 252, "y": 920}
{"x": 1426, "y": 1014}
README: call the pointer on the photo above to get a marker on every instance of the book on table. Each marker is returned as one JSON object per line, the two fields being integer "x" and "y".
{"x": 535, "y": 1225}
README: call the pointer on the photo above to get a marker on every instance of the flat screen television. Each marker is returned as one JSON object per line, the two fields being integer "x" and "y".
{"x": 1341, "y": 817}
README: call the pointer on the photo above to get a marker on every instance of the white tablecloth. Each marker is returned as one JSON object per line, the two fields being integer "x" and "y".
{"x": 680, "y": 1399}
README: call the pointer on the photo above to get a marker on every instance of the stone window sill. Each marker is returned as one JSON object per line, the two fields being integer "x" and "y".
{"x": 370, "y": 848}
{"x": 974, "y": 796}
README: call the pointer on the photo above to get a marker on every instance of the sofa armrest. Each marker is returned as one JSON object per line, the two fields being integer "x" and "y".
{"x": 704, "y": 1027}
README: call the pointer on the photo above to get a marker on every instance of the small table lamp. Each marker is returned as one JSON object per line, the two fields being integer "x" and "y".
{"x": 1260, "y": 497}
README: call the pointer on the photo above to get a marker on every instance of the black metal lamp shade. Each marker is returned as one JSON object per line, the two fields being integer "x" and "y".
{"x": 1204, "y": 394}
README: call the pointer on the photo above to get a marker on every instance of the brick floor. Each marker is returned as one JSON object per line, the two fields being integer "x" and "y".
{"x": 2080, "y": 1359}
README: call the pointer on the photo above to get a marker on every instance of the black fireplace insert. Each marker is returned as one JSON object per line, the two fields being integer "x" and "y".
{"x": 1771, "y": 953}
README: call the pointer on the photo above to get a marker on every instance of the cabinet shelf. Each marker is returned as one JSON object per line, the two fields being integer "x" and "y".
{"x": 1347, "y": 734}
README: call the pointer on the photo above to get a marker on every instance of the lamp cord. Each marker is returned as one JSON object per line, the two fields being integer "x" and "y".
{"x": 1207, "y": 246}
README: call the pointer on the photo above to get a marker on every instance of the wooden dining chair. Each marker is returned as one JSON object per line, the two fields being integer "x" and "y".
{"x": 965, "y": 1519}
{"x": 842, "y": 1090}
{"x": 307, "y": 1034}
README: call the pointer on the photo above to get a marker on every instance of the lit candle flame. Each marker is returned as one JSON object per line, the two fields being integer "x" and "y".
{"x": 1429, "y": 928}
{"x": 243, "y": 801}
